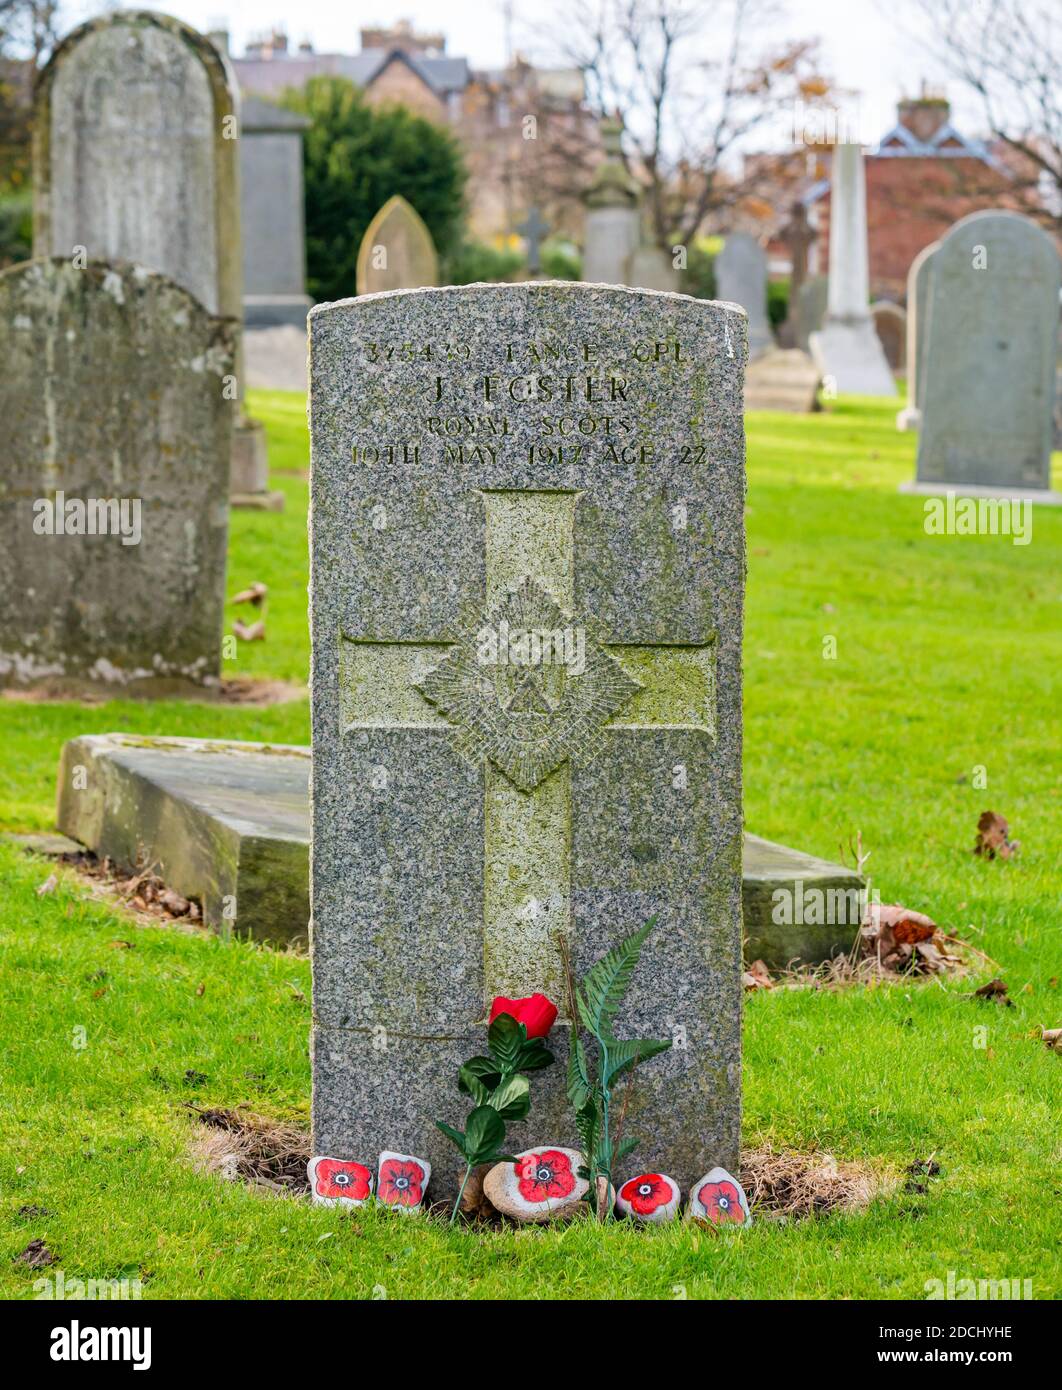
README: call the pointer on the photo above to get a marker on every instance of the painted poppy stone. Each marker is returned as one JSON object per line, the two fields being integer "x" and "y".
{"x": 719, "y": 1199}
{"x": 402, "y": 1180}
{"x": 542, "y": 1184}
{"x": 337, "y": 1182}
{"x": 527, "y": 572}
{"x": 649, "y": 1197}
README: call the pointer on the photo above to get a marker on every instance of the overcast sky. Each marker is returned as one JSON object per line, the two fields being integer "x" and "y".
{"x": 864, "y": 47}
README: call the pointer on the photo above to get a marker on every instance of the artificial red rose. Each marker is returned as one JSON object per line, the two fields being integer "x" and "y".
{"x": 401, "y": 1182}
{"x": 535, "y": 1012}
{"x": 334, "y": 1177}
{"x": 721, "y": 1202}
{"x": 545, "y": 1176}
{"x": 646, "y": 1193}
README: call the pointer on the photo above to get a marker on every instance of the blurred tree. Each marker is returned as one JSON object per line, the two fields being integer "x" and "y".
{"x": 28, "y": 29}
{"x": 356, "y": 157}
{"x": 692, "y": 80}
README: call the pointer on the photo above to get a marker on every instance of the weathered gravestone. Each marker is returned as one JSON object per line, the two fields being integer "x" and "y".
{"x": 527, "y": 576}
{"x": 114, "y": 469}
{"x": 910, "y": 417}
{"x": 741, "y": 278}
{"x": 987, "y": 377}
{"x": 135, "y": 158}
{"x": 397, "y": 252}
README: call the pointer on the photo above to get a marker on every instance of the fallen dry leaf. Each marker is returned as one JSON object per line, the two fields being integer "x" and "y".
{"x": 757, "y": 976}
{"x": 254, "y": 593}
{"x": 174, "y": 902}
{"x": 995, "y": 990}
{"x": 253, "y": 632}
{"x": 50, "y": 884}
{"x": 992, "y": 829}
{"x": 1052, "y": 1038}
{"x": 119, "y": 945}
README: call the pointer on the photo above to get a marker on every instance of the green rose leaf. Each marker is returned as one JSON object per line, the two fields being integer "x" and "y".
{"x": 484, "y": 1069}
{"x": 454, "y": 1135}
{"x": 484, "y": 1134}
{"x": 512, "y": 1099}
{"x": 505, "y": 1039}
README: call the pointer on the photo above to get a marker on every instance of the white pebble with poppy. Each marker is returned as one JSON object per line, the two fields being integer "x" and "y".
{"x": 652, "y": 1197}
{"x": 718, "y": 1199}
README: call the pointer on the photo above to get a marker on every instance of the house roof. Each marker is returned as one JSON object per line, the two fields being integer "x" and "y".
{"x": 945, "y": 143}
{"x": 271, "y": 76}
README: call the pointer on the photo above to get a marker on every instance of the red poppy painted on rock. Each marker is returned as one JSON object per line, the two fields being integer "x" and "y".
{"x": 401, "y": 1181}
{"x": 721, "y": 1202}
{"x": 535, "y": 1012}
{"x": 338, "y": 1180}
{"x": 647, "y": 1193}
{"x": 545, "y": 1176}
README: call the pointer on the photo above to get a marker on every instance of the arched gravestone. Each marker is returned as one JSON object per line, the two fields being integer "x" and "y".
{"x": 987, "y": 375}
{"x": 136, "y": 158}
{"x": 910, "y": 417}
{"x": 397, "y": 252}
{"x": 135, "y": 154}
{"x": 114, "y": 468}
{"x": 488, "y": 461}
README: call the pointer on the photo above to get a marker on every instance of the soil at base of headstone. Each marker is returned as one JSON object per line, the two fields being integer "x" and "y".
{"x": 271, "y": 1155}
{"x": 235, "y": 690}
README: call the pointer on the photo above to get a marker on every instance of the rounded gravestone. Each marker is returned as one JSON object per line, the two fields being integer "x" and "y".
{"x": 987, "y": 376}
{"x": 397, "y": 252}
{"x": 135, "y": 153}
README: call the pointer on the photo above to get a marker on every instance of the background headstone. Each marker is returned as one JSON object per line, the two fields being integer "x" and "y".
{"x": 811, "y": 309}
{"x": 987, "y": 385}
{"x": 111, "y": 391}
{"x": 271, "y": 215}
{"x": 890, "y": 324}
{"x": 846, "y": 348}
{"x": 397, "y": 252}
{"x": 613, "y": 217}
{"x": 460, "y": 823}
{"x": 910, "y": 417}
{"x": 741, "y": 278}
{"x": 798, "y": 236}
{"x": 135, "y": 158}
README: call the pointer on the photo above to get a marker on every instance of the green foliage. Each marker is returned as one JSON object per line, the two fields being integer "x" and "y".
{"x": 16, "y": 227}
{"x": 356, "y": 157}
{"x": 597, "y": 1001}
{"x": 474, "y": 262}
{"x": 561, "y": 261}
{"x": 699, "y": 276}
{"x": 500, "y": 1090}
{"x": 777, "y": 301}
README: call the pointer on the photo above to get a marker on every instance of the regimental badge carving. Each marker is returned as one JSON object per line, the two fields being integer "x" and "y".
{"x": 528, "y": 688}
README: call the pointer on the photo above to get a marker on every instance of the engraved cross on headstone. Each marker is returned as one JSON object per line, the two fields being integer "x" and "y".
{"x": 526, "y": 716}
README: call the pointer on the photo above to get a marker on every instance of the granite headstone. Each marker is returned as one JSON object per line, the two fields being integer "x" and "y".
{"x": 526, "y": 592}
{"x": 987, "y": 381}
{"x": 114, "y": 470}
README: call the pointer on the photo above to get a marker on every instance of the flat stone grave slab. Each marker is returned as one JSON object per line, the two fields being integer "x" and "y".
{"x": 229, "y": 825}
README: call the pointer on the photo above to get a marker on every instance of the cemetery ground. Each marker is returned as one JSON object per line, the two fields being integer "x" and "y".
{"x": 948, "y": 653}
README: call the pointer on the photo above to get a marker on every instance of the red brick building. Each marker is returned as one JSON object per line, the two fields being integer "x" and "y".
{"x": 921, "y": 178}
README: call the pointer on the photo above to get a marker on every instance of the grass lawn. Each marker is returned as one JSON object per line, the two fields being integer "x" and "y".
{"x": 949, "y": 659}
